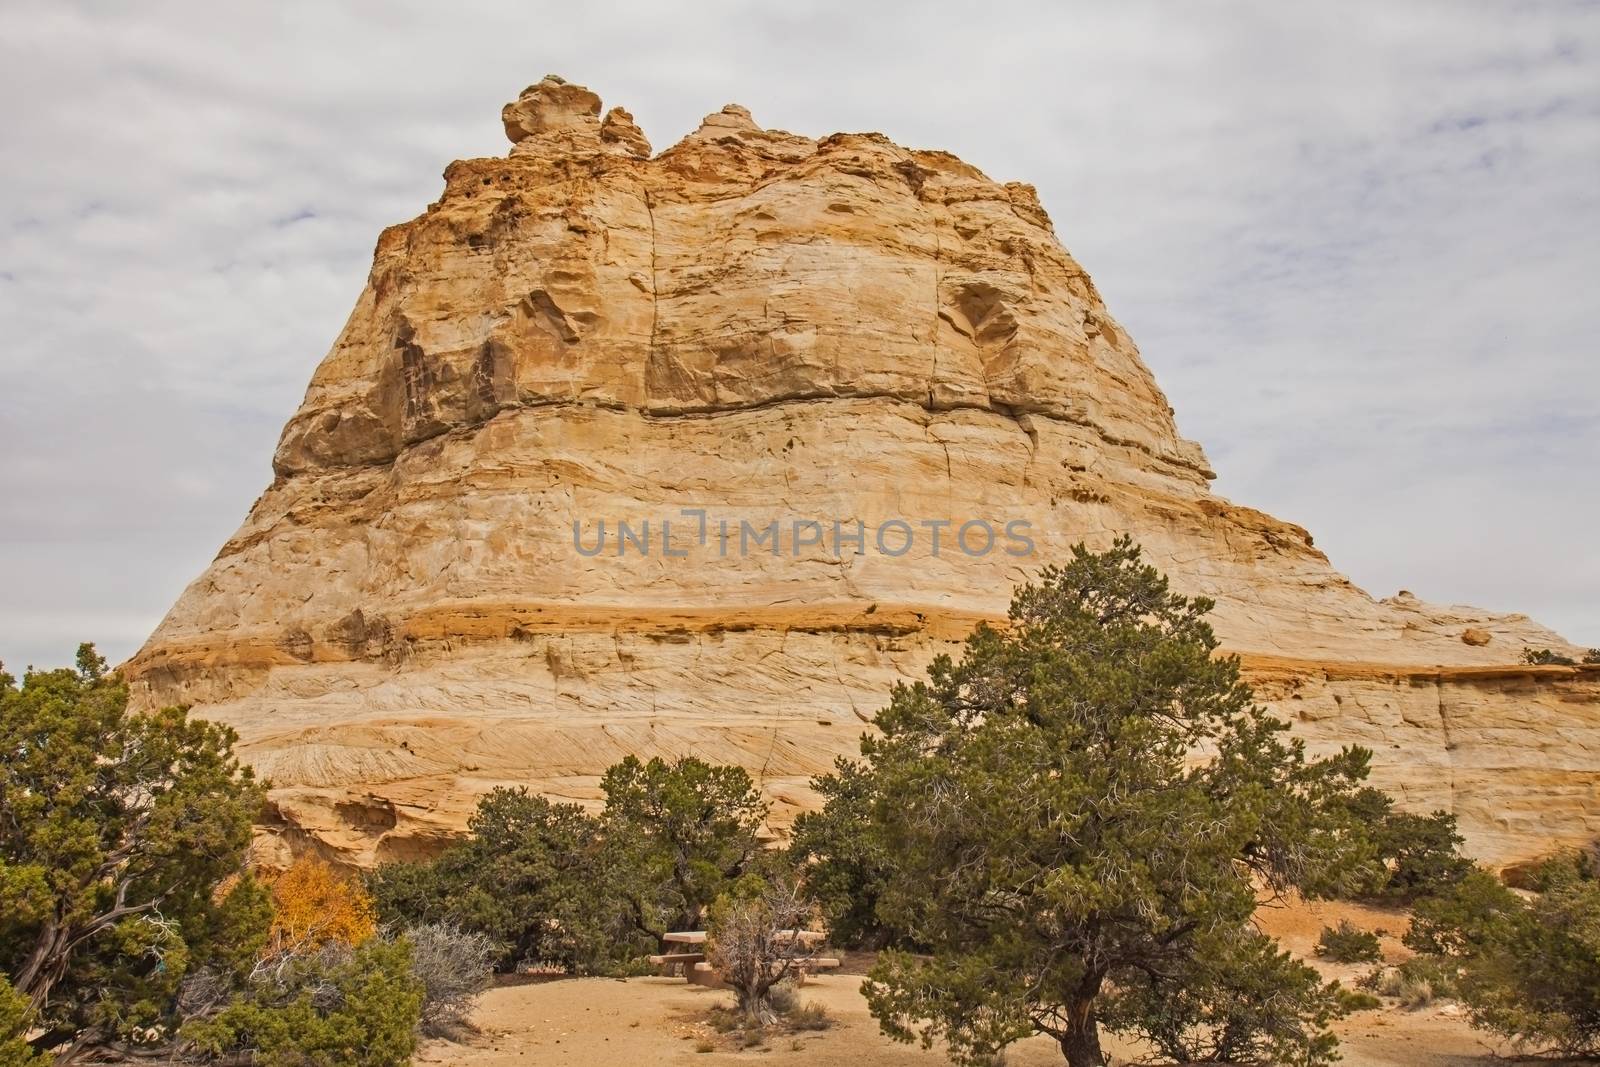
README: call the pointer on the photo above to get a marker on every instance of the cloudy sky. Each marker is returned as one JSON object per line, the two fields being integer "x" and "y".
{"x": 1357, "y": 242}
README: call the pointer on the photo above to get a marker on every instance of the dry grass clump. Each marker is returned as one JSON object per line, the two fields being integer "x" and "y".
{"x": 793, "y": 1017}
{"x": 1416, "y": 993}
{"x": 1416, "y": 983}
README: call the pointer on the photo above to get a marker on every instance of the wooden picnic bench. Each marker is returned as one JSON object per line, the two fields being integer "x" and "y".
{"x": 674, "y": 963}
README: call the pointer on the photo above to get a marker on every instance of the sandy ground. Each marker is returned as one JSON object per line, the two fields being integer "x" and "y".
{"x": 597, "y": 1022}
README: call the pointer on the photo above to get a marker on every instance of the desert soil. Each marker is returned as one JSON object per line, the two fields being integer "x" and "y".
{"x": 598, "y": 1022}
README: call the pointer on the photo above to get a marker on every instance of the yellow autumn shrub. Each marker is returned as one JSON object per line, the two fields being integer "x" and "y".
{"x": 316, "y": 905}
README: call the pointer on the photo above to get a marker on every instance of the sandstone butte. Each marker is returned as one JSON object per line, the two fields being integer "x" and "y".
{"x": 763, "y": 326}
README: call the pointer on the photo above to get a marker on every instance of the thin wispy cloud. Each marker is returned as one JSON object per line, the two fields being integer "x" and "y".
{"x": 1355, "y": 242}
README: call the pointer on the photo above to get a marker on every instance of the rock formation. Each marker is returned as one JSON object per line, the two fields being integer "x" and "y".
{"x": 756, "y": 327}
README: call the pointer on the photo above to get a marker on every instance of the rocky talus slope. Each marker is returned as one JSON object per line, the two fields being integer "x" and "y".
{"x": 752, "y": 327}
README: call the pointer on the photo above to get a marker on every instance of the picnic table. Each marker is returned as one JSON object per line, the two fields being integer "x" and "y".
{"x": 690, "y": 960}
{"x": 685, "y": 937}
{"x": 673, "y": 960}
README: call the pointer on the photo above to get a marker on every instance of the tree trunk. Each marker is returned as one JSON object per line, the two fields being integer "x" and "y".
{"x": 45, "y": 965}
{"x": 757, "y": 1008}
{"x": 1081, "y": 1042}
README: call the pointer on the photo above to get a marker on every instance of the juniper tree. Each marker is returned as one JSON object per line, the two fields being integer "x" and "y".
{"x": 534, "y": 876}
{"x": 1086, "y": 799}
{"x": 15, "y": 1022}
{"x": 1418, "y": 855}
{"x": 116, "y": 832}
{"x": 840, "y": 857}
{"x": 1528, "y": 970}
{"x": 689, "y": 829}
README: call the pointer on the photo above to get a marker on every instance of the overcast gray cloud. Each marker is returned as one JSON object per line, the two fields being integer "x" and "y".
{"x": 1356, "y": 242}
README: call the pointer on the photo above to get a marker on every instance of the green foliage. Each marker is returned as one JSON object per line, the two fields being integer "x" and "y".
{"x": 1353, "y": 1000}
{"x": 1423, "y": 854}
{"x": 1478, "y": 911}
{"x": 336, "y": 1008}
{"x": 115, "y": 832}
{"x": 1347, "y": 943}
{"x": 539, "y": 878}
{"x": 1529, "y": 971}
{"x": 1545, "y": 657}
{"x": 838, "y": 854}
{"x": 689, "y": 830}
{"x": 1418, "y": 855}
{"x": 407, "y": 891}
{"x": 1050, "y": 834}
{"x": 1236, "y": 998}
{"x": 554, "y": 885}
{"x": 1592, "y": 656}
{"x": 15, "y": 1020}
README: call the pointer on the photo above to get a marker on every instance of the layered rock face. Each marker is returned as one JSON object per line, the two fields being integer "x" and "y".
{"x": 880, "y": 351}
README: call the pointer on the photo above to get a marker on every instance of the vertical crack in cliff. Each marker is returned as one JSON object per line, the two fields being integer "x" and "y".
{"x": 761, "y": 775}
{"x": 1449, "y": 741}
{"x": 655, "y": 286}
{"x": 1025, "y": 424}
{"x": 933, "y": 338}
{"x": 949, "y": 477}
{"x": 844, "y": 686}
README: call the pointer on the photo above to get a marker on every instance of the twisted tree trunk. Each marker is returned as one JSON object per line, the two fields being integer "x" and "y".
{"x": 1081, "y": 1046}
{"x": 1080, "y": 1042}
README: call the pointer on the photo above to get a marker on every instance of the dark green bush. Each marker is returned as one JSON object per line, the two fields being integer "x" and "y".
{"x": 1475, "y": 913}
{"x": 1545, "y": 657}
{"x": 1347, "y": 943}
{"x": 1238, "y": 999}
{"x": 536, "y": 877}
{"x": 840, "y": 858}
{"x": 556, "y": 886}
{"x": 1352, "y": 1000}
{"x": 1417, "y": 855}
{"x": 1529, "y": 971}
{"x": 336, "y": 1008}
